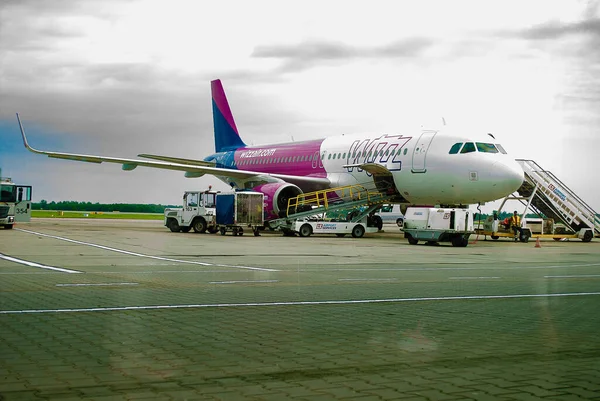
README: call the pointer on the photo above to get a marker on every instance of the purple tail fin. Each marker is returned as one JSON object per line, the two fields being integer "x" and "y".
{"x": 226, "y": 133}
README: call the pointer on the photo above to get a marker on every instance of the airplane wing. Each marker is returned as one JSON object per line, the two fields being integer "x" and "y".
{"x": 178, "y": 160}
{"x": 192, "y": 168}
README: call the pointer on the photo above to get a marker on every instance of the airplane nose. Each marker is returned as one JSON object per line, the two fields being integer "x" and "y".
{"x": 507, "y": 176}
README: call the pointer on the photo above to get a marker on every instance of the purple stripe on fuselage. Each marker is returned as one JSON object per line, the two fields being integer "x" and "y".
{"x": 218, "y": 95}
{"x": 300, "y": 158}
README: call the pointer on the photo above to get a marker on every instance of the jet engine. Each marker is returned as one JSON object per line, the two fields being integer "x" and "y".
{"x": 276, "y": 197}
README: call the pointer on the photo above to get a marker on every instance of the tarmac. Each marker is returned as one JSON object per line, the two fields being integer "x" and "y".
{"x": 127, "y": 310}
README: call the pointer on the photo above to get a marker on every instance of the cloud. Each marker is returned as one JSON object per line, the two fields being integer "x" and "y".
{"x": 553, "y": 30}
{"x": 309, "y": 54}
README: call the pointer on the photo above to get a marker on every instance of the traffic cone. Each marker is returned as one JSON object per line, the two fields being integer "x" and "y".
{"x": 537, "y": 243}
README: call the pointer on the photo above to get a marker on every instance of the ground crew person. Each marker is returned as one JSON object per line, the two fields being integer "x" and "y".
{"x": 515, "y": 225}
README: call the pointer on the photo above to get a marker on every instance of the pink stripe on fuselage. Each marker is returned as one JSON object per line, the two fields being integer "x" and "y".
{"x": 301, "y": 159}
{"x": 218, "y": 96}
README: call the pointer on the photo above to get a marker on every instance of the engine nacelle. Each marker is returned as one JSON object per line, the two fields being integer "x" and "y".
{"x": 277, "y": 195}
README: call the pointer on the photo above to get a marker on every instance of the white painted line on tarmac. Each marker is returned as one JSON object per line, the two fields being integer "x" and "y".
{"x": 437, "y": 269}
{"x": 574, "y": 276}
{"x": 298, "y": 303}
{"x": 472, "y": 278}
{"x": 33, "y": 264}
{"x": 367, "y": 279}
{"x": 243, "y": 282}
{"x": 93, "y": 284}
{"x": 141, "y": 255}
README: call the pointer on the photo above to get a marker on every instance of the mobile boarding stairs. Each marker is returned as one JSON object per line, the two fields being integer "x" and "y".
{"x": 544, "y": 194}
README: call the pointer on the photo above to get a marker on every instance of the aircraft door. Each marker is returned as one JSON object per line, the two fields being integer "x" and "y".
{"x": 23, "y": 204}
{"x": 420, "y": 152}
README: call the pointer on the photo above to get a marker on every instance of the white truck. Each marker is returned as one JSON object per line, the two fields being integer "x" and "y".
{"x": 435, "y": 225}
{"x": 15, "y": 203}
{"x": 198, "y": 213}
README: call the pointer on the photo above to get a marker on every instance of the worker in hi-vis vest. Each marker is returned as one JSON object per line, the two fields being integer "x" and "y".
{"x": 515, "y": 225}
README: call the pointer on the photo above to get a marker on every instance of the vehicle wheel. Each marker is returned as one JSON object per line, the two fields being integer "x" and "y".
{"x": 557, "y": 239}
{"x": 240, "y": 232}
{"x": 222, "y": 230}
{"x": 185, "y": 229}
{"x": 305, "y": 230}
{"x": 173, "y": 225}
{"x": 213, "y": 229}
{"x": 587, "y": 237}
{"x": 411, "y": 240}
{"x": 199, "y": 225}
{"x": 378, "y": 222}
{"x": 8, "y": 226}
{"x": 524, "y": 237}
{"x": 460, "y": 241}
{"x": 400, "y": 222}
{"x": 340, "y": 235}
{"x": 495, "y": 237}
{"x": 358, "y": 231}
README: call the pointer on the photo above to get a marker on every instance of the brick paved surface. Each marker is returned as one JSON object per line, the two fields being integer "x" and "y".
{"x": 523, "y": 348}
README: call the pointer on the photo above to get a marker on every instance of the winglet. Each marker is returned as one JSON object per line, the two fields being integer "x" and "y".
{"x": 25, "y": 138}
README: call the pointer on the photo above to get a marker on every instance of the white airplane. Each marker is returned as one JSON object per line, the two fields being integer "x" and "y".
{"x": 428, "y": 167}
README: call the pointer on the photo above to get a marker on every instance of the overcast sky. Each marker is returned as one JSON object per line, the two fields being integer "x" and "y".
{"x": 119, "y": 78}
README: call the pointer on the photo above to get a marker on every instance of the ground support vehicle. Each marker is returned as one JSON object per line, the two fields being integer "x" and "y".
{"x": 198, "y": 213}
{"x": 562, "y": 214}
{"x": 15, "y": 203}
{"x": 308, "y": 226}
{"x": 435, "y": 225}
{"x": 391, "y": 213}
{"x": 238, "y": 210}
{"x": 306, "y": 213}
{"x": 498, "y": 229}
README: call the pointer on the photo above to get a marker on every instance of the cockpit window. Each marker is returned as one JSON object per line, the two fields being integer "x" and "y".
{"x": 500, "y": 148}
{"x": 486, "y": 147}
{"x": 455, "y": 148}
{"x": 468, "y": 148}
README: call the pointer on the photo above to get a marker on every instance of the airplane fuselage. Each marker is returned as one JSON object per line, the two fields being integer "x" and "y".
{"x": 421, "y": 168}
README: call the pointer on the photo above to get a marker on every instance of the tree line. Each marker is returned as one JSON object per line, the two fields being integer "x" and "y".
{"x": 99, "y": 207}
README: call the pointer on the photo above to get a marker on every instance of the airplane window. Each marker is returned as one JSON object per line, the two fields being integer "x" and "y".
{"x": 399, "y": 150}
{"x": 405, "y": 150}
{"x": 387, "y": 152}
{"x": 455, "y": 148}
{"x": 323, "y": 156}
{"x": 329, "y": 156}
{"x": 339, "y": 155}
{"x": 486, "y": 147}
{"x": 500, "y": 148}
{"x": 334, "y": 156}
{"x": 344, "y": 156}
{"x": 468, "y": 148}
